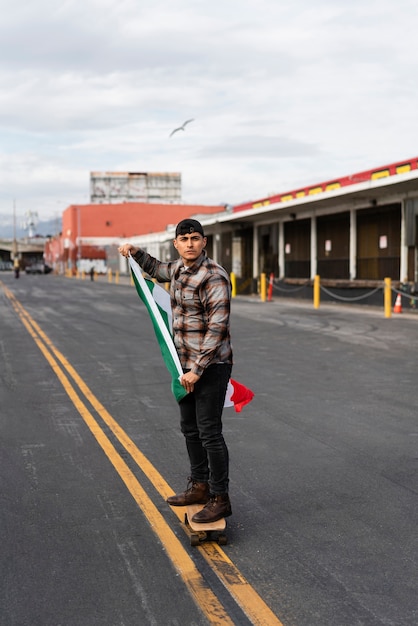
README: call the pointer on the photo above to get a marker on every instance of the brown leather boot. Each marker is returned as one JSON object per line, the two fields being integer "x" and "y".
{"x": 196, "y": 493}
{"x": 219, "y": 506}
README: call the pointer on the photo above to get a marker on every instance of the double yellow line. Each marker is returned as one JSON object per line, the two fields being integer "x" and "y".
{"x": 246, "y": 597}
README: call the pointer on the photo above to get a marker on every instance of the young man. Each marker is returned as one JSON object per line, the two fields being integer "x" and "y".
{"x": 200, "y": 300}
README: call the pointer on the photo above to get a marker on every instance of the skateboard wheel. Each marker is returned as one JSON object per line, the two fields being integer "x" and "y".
{"x": 222, "y": 540}
{"x": 194, "y": 539}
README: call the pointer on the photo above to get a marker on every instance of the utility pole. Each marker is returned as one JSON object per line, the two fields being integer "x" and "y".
{"x": 16, "y": 263}
{"x": 14, "y": 247}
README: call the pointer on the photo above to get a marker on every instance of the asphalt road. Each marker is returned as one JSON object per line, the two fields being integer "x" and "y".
{"x": 324, "y": 467}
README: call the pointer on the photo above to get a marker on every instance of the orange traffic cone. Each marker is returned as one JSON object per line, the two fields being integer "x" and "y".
{"x": 398, "y": 304}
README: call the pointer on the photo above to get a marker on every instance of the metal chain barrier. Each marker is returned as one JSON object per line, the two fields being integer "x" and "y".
{"x": 354, "y": 299}
{"x": 292, "y": 289}
{"x": 404, "y": 293}
{"x": 386, "y": 288}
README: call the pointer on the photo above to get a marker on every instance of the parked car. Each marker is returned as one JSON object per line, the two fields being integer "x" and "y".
{"x": 6, "y": 266}
{"x": 38, "y": 268}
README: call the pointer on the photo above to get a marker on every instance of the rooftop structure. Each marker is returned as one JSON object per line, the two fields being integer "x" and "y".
{"x": 117, "y": 187}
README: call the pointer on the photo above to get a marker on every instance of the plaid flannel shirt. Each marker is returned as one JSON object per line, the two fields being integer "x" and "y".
{"x": 201, "y": 304}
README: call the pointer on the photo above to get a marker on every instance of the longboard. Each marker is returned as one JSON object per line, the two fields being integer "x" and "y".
{"x": 213, "y": 531}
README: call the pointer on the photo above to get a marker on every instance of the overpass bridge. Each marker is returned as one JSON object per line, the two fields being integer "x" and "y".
{"x": 27, "y": 250}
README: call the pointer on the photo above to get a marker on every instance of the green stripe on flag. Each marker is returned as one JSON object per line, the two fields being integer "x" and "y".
{"x": 161, "y": 321}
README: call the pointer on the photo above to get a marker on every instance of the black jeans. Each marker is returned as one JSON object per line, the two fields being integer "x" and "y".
{"x": 201, "y": 424}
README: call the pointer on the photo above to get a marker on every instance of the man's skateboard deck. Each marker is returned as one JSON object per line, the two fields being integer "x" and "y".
{"x": 213, "y": 531}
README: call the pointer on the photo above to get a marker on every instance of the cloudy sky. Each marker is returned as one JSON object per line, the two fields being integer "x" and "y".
{"x": 282, "y": 93}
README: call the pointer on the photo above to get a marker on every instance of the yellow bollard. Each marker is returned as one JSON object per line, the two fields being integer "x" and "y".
{"x": 233, "y": 285}
{"x": 387, "y": 297}
{"x": 263, "y": 287}
{"x": 316, "y": 292}
{"x": 109, "y": 276}
{"x": 117, "y": 277}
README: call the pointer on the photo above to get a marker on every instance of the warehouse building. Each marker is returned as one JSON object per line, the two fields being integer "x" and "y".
{"x": 353, "y": 231}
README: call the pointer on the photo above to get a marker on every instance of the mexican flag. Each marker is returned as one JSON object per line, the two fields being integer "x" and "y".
{"x": 157, "y": 302}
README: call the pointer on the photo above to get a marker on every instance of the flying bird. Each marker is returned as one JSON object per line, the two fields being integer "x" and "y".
{"x": 182, "y": 127}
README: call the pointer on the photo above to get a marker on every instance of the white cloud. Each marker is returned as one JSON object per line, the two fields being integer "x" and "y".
{"x": 282, "y": 94}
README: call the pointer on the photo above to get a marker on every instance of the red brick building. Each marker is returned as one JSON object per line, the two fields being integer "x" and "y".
{"x": 91, "y": 232}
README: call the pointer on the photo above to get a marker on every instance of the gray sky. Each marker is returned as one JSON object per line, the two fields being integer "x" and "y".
{"x": 283, "y": 94}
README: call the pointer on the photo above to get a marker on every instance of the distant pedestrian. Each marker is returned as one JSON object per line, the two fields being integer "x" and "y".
{"x": 92, "y": 273}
